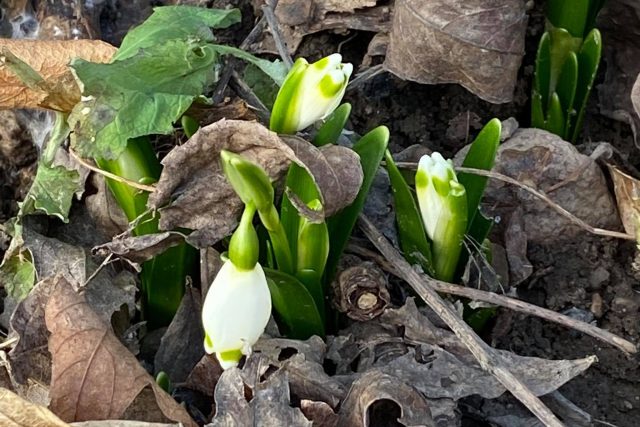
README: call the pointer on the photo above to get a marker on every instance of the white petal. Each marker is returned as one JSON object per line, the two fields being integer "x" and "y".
{"x": 237, "y": 308}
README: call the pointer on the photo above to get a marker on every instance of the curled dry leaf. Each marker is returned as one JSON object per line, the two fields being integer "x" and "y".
{"x": 94, "y": 376}
{"x": 50, "y": 59}
{"x": 298, "y": 19}
{"x": 139, "y": 249}
{"x": 320, "y": 414}
{"x": 373, "y": 387}
{"x": 335, "y": 169}
{"x": 192, "y": 172}
{"x": 476, "y": 43}
{"x": 17, "y": 412}
{"x": 627, "y": 190}
{"x": 574, "y": 181}
{"x": 361, "y": 291}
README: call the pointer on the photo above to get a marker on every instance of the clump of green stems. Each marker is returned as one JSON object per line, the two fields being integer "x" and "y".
{"x": 566, "y": 65}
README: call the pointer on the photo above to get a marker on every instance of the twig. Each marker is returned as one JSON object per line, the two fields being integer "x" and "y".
{"x": 244, "y": 91}
{"x": 542, "y": 196}
{"x": 8, "y": 342}
{"x": 106, "y": 261}
{"x": 486, "y": 356}
{"x": 506, "y": 302}
{"x": 137, "y": 185}
{"x": 274, "y": 27}
{"x": 362, "y": 77}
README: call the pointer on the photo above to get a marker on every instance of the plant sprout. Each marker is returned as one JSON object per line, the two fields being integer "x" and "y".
{"x": 566, "y": 66}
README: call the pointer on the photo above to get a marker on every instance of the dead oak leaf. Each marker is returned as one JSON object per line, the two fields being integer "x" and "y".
{"x": 58, "y": 89}
{"x": 478, "y": 44}
{"x": 94, "y": 377}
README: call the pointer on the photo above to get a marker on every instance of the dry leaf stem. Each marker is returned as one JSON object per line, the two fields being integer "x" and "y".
{"x": 143, "y": 187}
{"x": 485, "y": 355}
{"x": 274, "y": 27}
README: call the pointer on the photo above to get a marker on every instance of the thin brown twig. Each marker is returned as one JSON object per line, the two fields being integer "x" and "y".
{"x": 137, "y": 185}
{"x": 274, "y": 27}
{"x": 484, "y": 354}
{"x": 245, "y": 92}
{"x": 506, "y": 302}
{"x": 542, "y": 196}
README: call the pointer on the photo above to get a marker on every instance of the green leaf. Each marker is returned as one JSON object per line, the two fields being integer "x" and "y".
{"x": 261, "y": 84}
{"x": 569, "y": 14}
{"x": 176, "y": 22}
{"x": 294, "y": 306}
{"x": 555, "y": 117}
{"x": 52, "y": 191}
{"x": 370, "y": 148}
{"x": 566, "y": 90}
{"x": 588, "y": 62}
{"x": 542, "y": 76}
{"x": 141, "y": 95}
{"x": 411, "y": 232}
{"x": 481, "y": 155}
{"x": 332, "y": 128}
{"x": 18, "y": 275}
{"x": 276, "y": 70}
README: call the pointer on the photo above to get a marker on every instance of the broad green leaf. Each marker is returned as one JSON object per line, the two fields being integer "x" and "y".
{"x": 411, "y": 232}
{"x": 176, "y": 22}
{"x": 138, "y": 96}
{"x": 555, "y": 116}
{"x": 261, "y": 84}
{"x": 276, "y": 70}
{"x": 481, "y": 155}
{"x": 52, "y": 191}
{"x": 332, "y": 128}
{"x": 294, "y": 306}
{"x": 588, "y": 62}
{"x": 370, "y": 148}
{"x": 18, "y": 275}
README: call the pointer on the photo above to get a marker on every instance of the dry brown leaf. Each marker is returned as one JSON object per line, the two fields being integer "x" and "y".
{"x": 94, "y": 377}
{"x": 206, "y": 203}
{"x": 478, "y": 44}
{"x": 635, "y": 96}
{"x": 627, "y": 190}
{"x": 138, "y": 249}
{"x": 50, "y": 59}
{"x": 17, "y": 412}
{"x": 375, "y": 386}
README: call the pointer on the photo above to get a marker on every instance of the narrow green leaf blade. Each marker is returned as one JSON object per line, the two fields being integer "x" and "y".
{"x": 566, "y": 90}
{"x": 411, "y": 232}
{"x": 555, "y": 118}
{"x": 176, "y": 22}
{"x": 294, "y": 306}
{"x": 332, "y": 128}
{"x": 370, "y": 148}
{"x": 588, "y": 62}
{"x": 569, "y": 14}
{"x": 481, "y": 155}
{"x": 542, "y": 76}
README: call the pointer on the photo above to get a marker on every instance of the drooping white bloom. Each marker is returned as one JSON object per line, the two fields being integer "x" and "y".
{"x": 235, "y": 312}
{"x": 443, "y": 207}
{"x": 310, "y": 93}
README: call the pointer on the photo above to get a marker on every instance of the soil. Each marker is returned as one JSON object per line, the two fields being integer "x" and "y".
{"x": 590, "y": 276}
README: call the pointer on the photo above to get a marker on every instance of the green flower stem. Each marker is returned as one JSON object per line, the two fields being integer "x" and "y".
{"x": 244, "y": 246}
{"x": 163, "y": 277}
{"x": 271, "y": 221}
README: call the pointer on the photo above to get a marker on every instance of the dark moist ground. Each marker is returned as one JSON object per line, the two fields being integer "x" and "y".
{"x": 566, "y": 276}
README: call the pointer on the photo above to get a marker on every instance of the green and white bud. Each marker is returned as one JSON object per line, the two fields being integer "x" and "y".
{"x": 250, "y": 182}
{"x": 443, "y": 206}
{"x": 309, "y": 93}
{"x": 235, "y": 312}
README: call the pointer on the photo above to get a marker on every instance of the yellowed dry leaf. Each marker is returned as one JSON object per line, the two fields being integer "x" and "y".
{"x": 50, "y": 59}
{"x": 627, "y": 190}
{"x": 17, "y": 412}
